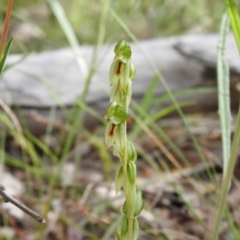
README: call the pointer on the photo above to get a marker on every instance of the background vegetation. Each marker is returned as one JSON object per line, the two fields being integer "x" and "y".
{"x": 35, "y": 28}
{"x": 146, "y": 19}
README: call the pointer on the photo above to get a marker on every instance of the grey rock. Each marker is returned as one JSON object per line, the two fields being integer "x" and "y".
{"x": 54, "y": 78}
{"x": 45, "y": 80}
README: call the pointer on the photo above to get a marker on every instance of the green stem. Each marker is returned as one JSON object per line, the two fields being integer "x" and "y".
{"x": 5, "y": 27}
{"x": 127, "y": 189}
{"x": 122, "y": 71}
{"x": 125, "y": 182}
{"x": 129, "y": 192}
{"x": 130, "y": 213}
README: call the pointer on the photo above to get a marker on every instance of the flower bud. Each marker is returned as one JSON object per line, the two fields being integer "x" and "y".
{"x": 123, "y": 227}
{"x": 123, "y": 51}
{"x": 131, "y": 173}
{"x": 138, "y": 203}
{"x": 132, "y": 154}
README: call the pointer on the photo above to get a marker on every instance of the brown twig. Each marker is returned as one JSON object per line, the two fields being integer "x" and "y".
{"x": 5, "y": 27}
{"x": 20, "y": 205}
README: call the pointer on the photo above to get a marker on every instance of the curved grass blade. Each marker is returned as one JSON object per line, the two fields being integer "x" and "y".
{"x": 231, "y": 155}
{"x": 2, "y": 62}
{"x": 234, "y": 19}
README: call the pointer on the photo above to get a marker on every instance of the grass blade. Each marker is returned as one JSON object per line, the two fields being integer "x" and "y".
{"x": 69, "y": 33}
{"x": 234, "y": 19}
{"x": 224, "y": 114}
{"x": 229, "y": 159}
{"x": 2, "y": 62}
{"x": 224, "y": 93}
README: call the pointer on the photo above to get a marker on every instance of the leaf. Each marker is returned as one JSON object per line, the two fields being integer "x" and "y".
{"x": 118, "y": 237}
{"x": 2, "y": 62}
{"x": 124, "y": 208}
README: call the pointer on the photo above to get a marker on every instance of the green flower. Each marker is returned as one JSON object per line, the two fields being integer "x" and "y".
{"x": 123, "y": 51}
{"x": 116, "y": 113}
{"x": 109, "y": 134}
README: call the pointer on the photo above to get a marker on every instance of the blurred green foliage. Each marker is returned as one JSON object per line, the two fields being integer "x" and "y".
{"x": 147, "y": 19}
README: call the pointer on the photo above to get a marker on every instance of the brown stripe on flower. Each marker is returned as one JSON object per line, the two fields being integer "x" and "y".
{"x": 111, "y": 132}
{"x": 118, "y": 71}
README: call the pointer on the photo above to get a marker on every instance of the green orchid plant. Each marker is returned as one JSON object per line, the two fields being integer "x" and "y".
{"x": 122, "y": 72}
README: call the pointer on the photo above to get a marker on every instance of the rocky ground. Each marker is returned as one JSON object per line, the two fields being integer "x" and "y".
{"x": 77, "y": 196}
